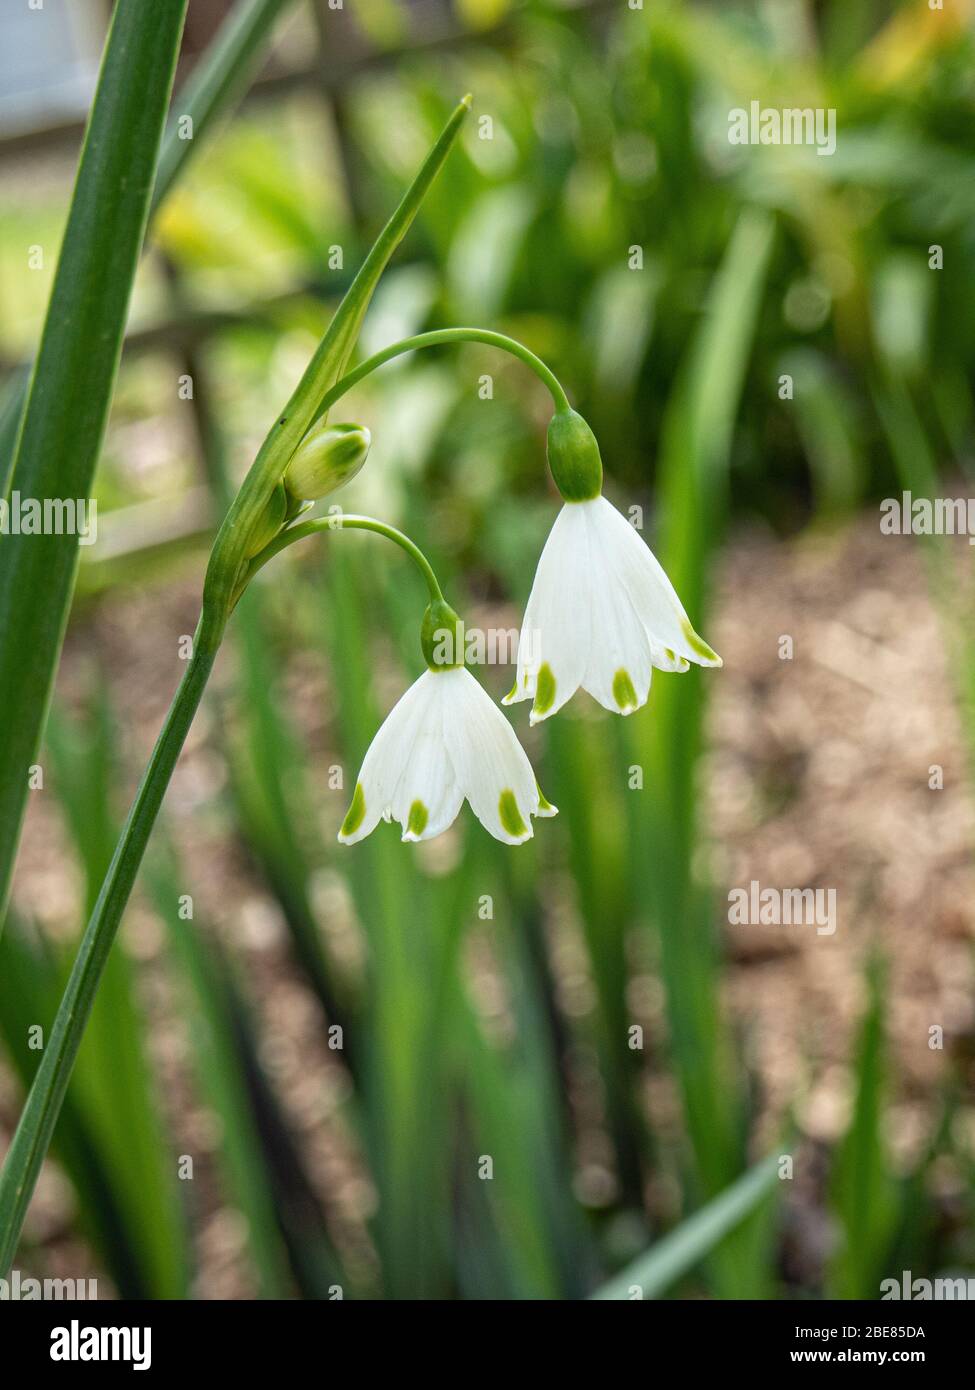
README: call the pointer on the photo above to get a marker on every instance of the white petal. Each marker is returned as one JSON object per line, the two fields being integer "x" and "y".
{"x": 666, "y": 660}
{"x": 653, "y": 596}
{"x": 489, "y": 763}
{"x": 555, "y": 634}
{"x": 426, "y": 798}
{"x": 620, "y": 666}
{"x": 394, "y": 775}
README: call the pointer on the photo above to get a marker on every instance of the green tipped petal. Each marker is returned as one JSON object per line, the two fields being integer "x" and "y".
{"x": 355, "y": 815}
{"x": 623, "y": 692}
{"x": 511, "y": 817}
{"x": 699, "y": 647}
{"x": 544, "y": 690}
{"x": 417, "y": 819}
{"x": 545, "y": 807}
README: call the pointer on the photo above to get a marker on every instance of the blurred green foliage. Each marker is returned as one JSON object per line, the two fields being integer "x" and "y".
{"x": 598, "y": 212}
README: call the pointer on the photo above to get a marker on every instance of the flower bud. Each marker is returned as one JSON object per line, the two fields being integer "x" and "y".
{"x": 573, "y": 457}
{"x": 327, "y": 457}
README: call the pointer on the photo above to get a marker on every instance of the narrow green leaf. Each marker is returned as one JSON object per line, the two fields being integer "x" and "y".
{"x": 115, "y": 1087}
{"x": 215, "y": 85}
{"x": 30, "y": 983}
{"x": 219, "y": 1068}
{"x": 678, "y": 1252}
{"x": 693, "y": 486}
{"x": 74, "y": 375}
{"x": 863, "y": 1193}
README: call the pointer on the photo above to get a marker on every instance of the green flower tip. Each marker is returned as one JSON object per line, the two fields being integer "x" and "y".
{"x": 442, "y": 637}
{"x": 416, "y": 822}
{"x": 623, "y": 692}
{"x": 544, "y": 692}
{"x": 511, "y": 817}
{"x": 356, "y": 813}
{"x": 545, "y": 807}
{"x": 327, "y": 457}
{"x": 699, "y": 647}
{"x": 573, "y": 457}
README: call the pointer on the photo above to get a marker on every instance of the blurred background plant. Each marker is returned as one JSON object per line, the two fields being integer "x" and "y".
{"x": 334, "y": 1042}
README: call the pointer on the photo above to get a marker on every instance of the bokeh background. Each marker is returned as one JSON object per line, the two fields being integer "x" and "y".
{"x": 301, "y": 1053}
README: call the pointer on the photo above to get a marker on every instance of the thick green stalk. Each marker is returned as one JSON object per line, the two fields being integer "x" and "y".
{"x": 33, "y": 1134}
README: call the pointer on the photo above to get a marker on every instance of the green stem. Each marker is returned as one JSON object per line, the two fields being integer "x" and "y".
{"x": 341, "y": 522}
{"x": 33, "y": 1134}
{"x": 436, "y": 338}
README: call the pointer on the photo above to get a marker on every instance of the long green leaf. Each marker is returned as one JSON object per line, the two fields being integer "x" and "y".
{"x": 694, "y": 480}
{"x": 656, "y": 1271}
{"x": 215, "y": 85}
{"x": 115, "y": 1087}
{"x": 74, "y": 375}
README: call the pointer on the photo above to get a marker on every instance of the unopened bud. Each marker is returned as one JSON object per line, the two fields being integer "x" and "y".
{"x": 327, "y": 457}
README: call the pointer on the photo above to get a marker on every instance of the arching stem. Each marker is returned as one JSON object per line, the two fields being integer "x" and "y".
{"x": 342, "y": 522}
{"x": 436, "y": 338}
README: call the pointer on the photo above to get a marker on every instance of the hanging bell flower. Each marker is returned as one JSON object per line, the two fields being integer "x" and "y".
{"x": 602, "y": 613}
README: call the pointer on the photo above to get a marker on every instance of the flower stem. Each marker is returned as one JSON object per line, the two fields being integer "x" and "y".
{"x": 342, "y": 522}
{"x": 33, "y": 1134}
{"x": 435, "y": 338}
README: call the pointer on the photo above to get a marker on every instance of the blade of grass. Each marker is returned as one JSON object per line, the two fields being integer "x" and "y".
{"x": 73, "y": 378}
{"x": 114, "y": 1085}
{"x": 677, "y": 1253}
{"x": 863, "y": 1193}
{"x": 215, "y": 86}
{"x": 217, "y": 1063}
{"x": 591, "y": 813}
{"x": 693, "y": 486}
{"x": 30, "y": 985}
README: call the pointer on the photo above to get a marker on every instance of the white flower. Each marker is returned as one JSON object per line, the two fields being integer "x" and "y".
{"x": 443, "y": 741}
{"x": 601, "y": 614}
